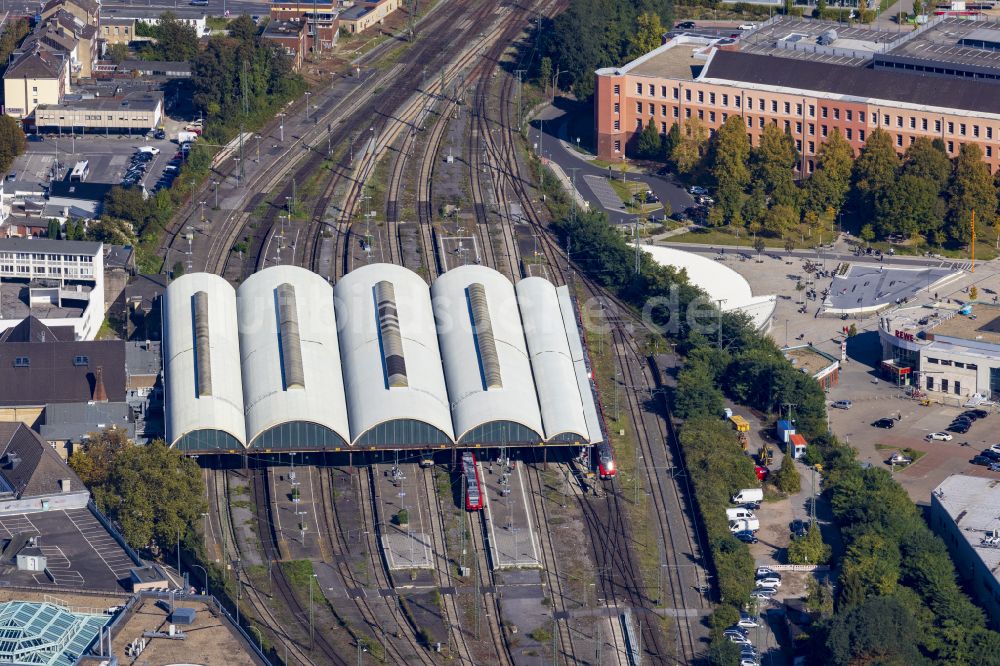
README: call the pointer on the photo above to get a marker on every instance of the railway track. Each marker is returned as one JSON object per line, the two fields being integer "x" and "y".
{"x": 487, "y": 599}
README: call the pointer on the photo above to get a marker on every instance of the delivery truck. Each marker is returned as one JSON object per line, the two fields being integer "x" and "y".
{"x": 748, "y": 495}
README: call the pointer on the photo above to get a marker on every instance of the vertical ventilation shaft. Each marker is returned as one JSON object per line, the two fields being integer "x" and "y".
{"x": 203, "y": 356}
{"x": 392, "y": 341}
{"x": 483, "y": 330}
{"x": 291, "y": 345}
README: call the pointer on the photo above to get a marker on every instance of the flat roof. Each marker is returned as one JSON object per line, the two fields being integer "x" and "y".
{"x": 971, "y": 502}
{"x": 795, "y": 38}
{"x": 982, "y": 324}
{"x": 143, "y": 101}
{"x": 49, "y": 245}
{"x": 14, "y": 304}
{"x": 355, "y": 12}
{"x": 941, "y": 41}
{"x": 676, "y": 62}
{"x": 809, "y": 359}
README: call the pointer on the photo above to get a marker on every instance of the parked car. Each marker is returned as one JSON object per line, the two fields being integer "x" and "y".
{"x": 747, "y": 26}
{"x": 770, "y": 581}
{"x": 798, "y": 528}
{"x": 995, "y": 448}
{"x": 761, "y": 472}
{"x": 898, "y": 458}
{"x": 160, "y": 135}
{"x": 975, "y": 413}
{"x": 939, "y": 437}
{"x": 735, "y": 631}
{"x": 842, "y": 404}
{"x": 749, "y": 662}
{"x": 886, "y": 424}
{"x": 765, "y": 571}
{"x": 697, "y": 190}
{"x": 959, "y": 428}
{"x": 995, "y": 467}
{"x": 747, "y": 621}
{"x": 738, "y": 639}
{"x": 685, "y": 25}
{"x": 982, "y": 460}
{"x": 763, "y": 593}
{"x": 992, "y": 455}
{"x": 746, "y": 536}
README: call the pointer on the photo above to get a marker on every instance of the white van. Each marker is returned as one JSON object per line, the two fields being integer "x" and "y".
{"x": 739, "y": 512}
{"x": 748, "y": 495}
{"x": 152, "y": 150}
{"x": 744, "y": 524}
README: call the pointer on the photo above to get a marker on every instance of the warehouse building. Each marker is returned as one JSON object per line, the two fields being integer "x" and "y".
{"x": 288, "y": 363}
{"x": 814, "y": 78}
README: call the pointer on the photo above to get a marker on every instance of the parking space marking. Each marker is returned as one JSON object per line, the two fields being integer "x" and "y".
{"x": 19, "y": 524}
{"x": 59, "y": 567}
{"x": 109, "y": 550}
{"x": 605, "y": 194}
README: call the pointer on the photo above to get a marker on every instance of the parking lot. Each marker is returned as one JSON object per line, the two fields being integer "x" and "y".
{"x": 80, "y": 552}
{"x": 107, "y": 157}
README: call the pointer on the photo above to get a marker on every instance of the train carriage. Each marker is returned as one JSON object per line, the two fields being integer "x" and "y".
{"x": 473, "y": 484}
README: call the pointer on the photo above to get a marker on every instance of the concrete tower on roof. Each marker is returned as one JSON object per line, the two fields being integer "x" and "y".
{"x": 201, "y": 365}
{"x": 393, "y": 381}
{"x": 293, "y": 387}
{"x": 485, "y": 357}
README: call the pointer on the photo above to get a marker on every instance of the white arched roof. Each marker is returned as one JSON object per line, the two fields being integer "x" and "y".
{"x": 719, "y": 281}
{"x": 551, "y": 361}
{"x": 291, "y": 365}
{"x": 483, "y": 389}
{"x": 370, "y": 399}
{"x": 216, "y": 401}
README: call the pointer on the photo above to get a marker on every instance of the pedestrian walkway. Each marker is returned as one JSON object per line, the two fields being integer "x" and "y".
{"x": 605, "y": 193}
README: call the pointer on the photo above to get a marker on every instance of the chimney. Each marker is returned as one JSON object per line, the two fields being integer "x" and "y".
{"x": 100, "y": 395}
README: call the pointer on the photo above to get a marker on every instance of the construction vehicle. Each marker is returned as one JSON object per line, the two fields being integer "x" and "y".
{"x": 739, "y": 423}
{"x": 765, "y": 456}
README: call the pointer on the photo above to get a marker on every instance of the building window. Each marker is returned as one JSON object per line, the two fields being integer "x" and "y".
{"x": 687, "y": 94}
{"x": 959, "y": 364}
{"x": 675, "y": 112}
{"x": 687, "y": 112}
{"x": 812, "y": 129}
{"x": 711, "y": 116}
{"x": 923, "y": 124}
{"x": 788, "y": 107}
{"x": 798, "y": 128}
{"x": 798, "y": 109}
{"x": 711, "y": 98}
{"x": 81, "y": 361}
{"x": 701, "y": 114}
{"x": 958, "y": 387}
{"x": 618, "y": 89}
{"x": 677, "y": 93}
{"x": 774, "y": 106}
{"x": 798, "y": 145}
{"x": 760, "y": 122}
{"x": 812, "y": 110}
{"x": 861, "y": 135}
{"x": 638, "y": 89}
{"x": 638, "y": 123}
{"x": 812, "y": 149}
{"x": 663, "y": 128}
{"x": 899, "y": 140}
{"x": 930, "y": 382}
{"x": 945, "y": 361}
{"x": 663, "y": 91}
{"x": 836, "y": 114}
{"x": 848, "y": 130}
{"x": 951, "y": 147}
{"x": 618, "y": 107}
{"x": 638, "y": 107}
{"x": 951, "y": 127}
{"x": 822, "y": 130}
{"x": 944, "y": 385}
{"x": 989, "y": 151}
{"x": 725, "y": 100}
{"x": 618, "y": 125}
{"x": 22, "y": 362}
{"x": 885, "y": 119}
{"x": 652, "y": 90}
{"x": 618, "y": 146}
{"x": 913, "y": 123}
{"x": 989, "y": 132}
{"x": 663, "y": 109}
{"x": 937, "y": 125}
{"x": 760, "y": 104}
{"x": 933, "y": 361}
{"x": 701, "y": 96}
{"x": 850, "y": 115}
{"x": 824, "y": 112}
{"x": 737, "y": 100}
{"x": 725, "y": 117}
{"x": 975, "y": 131}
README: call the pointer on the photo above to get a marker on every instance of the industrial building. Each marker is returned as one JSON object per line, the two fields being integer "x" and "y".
{"x": 380, "y": 361}
{"x": 950, "y": 351}
{"x": 813, "y": 78}
{"x": 964, "y": 514}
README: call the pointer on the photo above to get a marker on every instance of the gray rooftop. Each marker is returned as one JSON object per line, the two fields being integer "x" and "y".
{"x": 871, "y": 285}
{"x": 74, "y": 420}
{"x": 14, "y": 304}
{"x": 953, "y": 40}
{"x": 971, "y": 502}
{"x": 142, "y": 358}
{"x": 49, "y": 245}
{"x": 134, "y": 101}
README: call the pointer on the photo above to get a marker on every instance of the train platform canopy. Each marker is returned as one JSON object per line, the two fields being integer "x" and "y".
{"x": 378, "y": 361}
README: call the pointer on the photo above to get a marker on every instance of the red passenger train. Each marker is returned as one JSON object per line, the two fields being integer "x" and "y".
{"x": 605, "y": 460}
{"x": 473, "y": 484}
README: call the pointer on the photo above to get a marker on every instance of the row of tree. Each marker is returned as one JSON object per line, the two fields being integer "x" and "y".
{"x": 899, "y": 601}
{"x": 923, "y": 192}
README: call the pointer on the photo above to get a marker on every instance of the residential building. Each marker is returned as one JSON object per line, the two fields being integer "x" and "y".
{"x": 152, "y": 16}
{"x": 117, "y": 30}
{"x": 964, "y": 514}
{"x": 364, "y": 15}
{"x": 323, "y": 17}
{"x": 60, "y": 283}
{"x": 88, "y": 11}
{"x": 798, "y": 75}
{"x": 66, "y": 29}
{"x": 132, "y": 113}
{"x": 290, "y": 37}
{"x": 950, "y": 351}
{"x": 37, "y": 76}
{"x": 33, "y": 477}
{"x": 64, "y": 425}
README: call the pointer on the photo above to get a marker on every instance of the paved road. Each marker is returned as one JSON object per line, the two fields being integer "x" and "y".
{"x": 552, "y": 121}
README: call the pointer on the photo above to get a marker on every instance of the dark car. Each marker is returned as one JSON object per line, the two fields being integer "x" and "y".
{"x": 982, "y": 460}
{"x": 746, "y": 536}
{"x": 885, "y": 423}
{"x": 975, "y": 413}
{"x": 799, "y": 528}
{"x": 958, "y": 428}
{"x": 992, "y": 455}
{"x": 36, "y": 137}
{"x": 160, "y": 135}
{"x": 685, "y": 25}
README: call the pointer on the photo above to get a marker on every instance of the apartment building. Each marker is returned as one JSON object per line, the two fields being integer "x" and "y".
{"x": 88, "y": 11}
{"x": 290, "y": 37}
{"x": 938, "y": 81}
{"x": 117, "y": 30}
{"x": 322, "y": 20}
{"x": 37, "y": 76}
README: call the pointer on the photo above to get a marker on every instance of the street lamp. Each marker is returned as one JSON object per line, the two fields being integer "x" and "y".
{"x": 204, "y": 571}
{"x": 260, "y": 638}
{"x": 281, "y": 127}
{"x": 312, "y": 633}
{"x": 308, "y": 94}
{"x": 215, "y": 184}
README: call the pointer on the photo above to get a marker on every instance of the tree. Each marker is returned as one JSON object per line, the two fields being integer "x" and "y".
{"x": 830, "y": 182}
{"x": 53, "y": 231}
{"x": 647, "y": 36}
{"x": 12, "y": 141}
{"x": 878, "y": 631}
{"x": 758, "y": 244}
{"x": 688, "y": 152}
{"x": 787, "y": 478}
{"x": 94, "y": 460}
{"x": 809, "y": 549}
{"x": 774, "y": 163}
{"x": 918, "y": 7}
{"x": 545, "y": 74}
{"x": 927, "y": 159}
{"x": 118, "y": 52}
{"x": 819, "y": 597}
{"x": 867, "y": 234}
{"x": 243, "y": 28}
{"x": 649, "y": 145}
{"x": 911, "y": 205}
{"x": 874, "y": 173}
{"x": 670, "y": 141}
{"x": 730, "y": 165}
{"x": 175, "y": 40}
{"x": 779, "y": 220}
{"x": 971, "y": 189}
{"x": 973, "y": 292}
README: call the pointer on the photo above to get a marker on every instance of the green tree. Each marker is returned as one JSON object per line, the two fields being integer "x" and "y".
{"x": 874, "y": 173}
{"x": 12, "y": 141}
{"x": 94, "y": 460}
{"x": 911, "y": 205}
{"x": 779, "y": 220}
{"x": 809, "y": 549}
{"x": 774, "y": 163}
{"x": 830, "y": 182}
{"x": 730, "y": 157}
{"x": 689, "y": 151}
{"x": 670, "y": 141}
{"x": 927, "y": 159}
{"x": 545, "y": 74}
{"x": 118, "y": 52}
{"x": 243, "y": 28}
{"x": 53, "y": 230}
{"x": 878, "y": 631}
{"x": 971, "y": 189}
{"x": 175, "y": 40}
{"x": 647, "y": 36}
{"x": 649, "y": 145}
{"x": 918, "y": 7}
{"x": 787, "y": 478}
{"x": 867, "y": 234}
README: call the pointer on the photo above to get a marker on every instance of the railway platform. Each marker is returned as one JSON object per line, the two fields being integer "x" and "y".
{"x": 295, "y": 499}
{"x": 510, "y": 525}
{"x": 402, "y": 514}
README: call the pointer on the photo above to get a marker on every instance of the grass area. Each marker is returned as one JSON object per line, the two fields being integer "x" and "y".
{"x": 985, "y": 249}
{"x": 727, "y": 236}
{"x": 217, "y": 23}
{"x": 628, "y": 189}
{"x": 300, "y": 574}
{"x": 913, "y": 454}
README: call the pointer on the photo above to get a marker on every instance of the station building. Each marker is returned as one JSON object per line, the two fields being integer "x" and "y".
{"x": 950, "y": 351}
{"x": 380, "y": 361}
{"x": 814, "y": 78}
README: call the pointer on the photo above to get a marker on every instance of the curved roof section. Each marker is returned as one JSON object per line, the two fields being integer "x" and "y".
{"x": 483, "y": 350}
{"x": 290, "y": 355}
{"x": 401, "y": 380}
{"x": 201, "y": 358}
{"x": 551, "y": 361}
{"x": 719, "y": 281}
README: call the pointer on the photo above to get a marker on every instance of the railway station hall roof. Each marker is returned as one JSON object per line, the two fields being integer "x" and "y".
{"x": 380, "y": 360}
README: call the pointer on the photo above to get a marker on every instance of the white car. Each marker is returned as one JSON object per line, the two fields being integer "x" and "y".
{"x": 152, "y": 150}
{"x": 739, "y": 640}
{"x": 747, "y": 622}
{"x": 940, "y": 437}
{"x": 749, "y": 662}
{"x": 747, "y": 26}
{"x": 769, "y": 581}
{"x": 995, "y": 448}
{"x": 765, "y": 571}
{"x": 763, "y": 593}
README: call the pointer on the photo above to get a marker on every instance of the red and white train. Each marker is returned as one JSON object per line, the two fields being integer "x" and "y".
{"x": 605, "y": 460}
{"x": 473, "y": 484}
